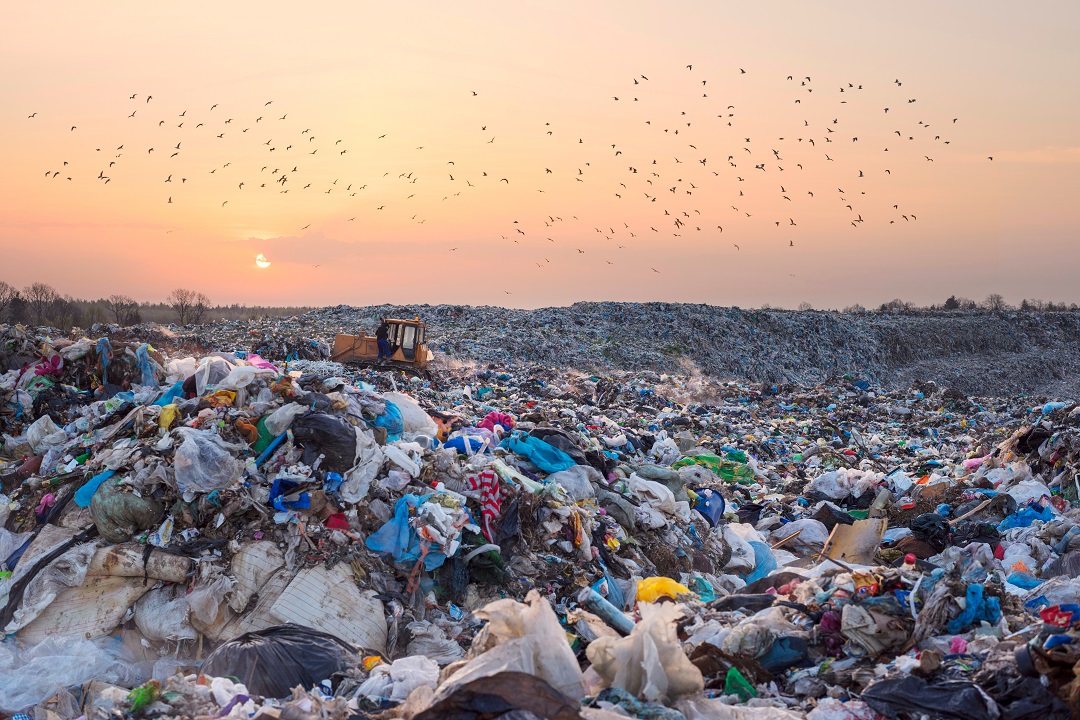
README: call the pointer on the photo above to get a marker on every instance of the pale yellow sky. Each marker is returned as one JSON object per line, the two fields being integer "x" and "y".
{"x": 338, "y": 75}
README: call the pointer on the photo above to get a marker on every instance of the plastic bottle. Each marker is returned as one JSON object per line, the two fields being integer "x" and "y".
{"x": 607, "y": 612}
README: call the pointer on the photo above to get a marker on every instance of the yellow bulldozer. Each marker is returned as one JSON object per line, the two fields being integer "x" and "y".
{"x": 408, "y": 345}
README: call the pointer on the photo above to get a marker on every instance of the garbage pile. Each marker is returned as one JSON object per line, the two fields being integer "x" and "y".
{"x": 980, "y": 353}
{"x": 241, "y": 535}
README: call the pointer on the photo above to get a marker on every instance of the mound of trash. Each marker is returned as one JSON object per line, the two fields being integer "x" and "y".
{"x": 979, "y": 353}
{"x": 258, "y": 532}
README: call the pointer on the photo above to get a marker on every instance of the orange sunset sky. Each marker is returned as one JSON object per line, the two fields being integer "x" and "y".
{"x": 394, "y": 126}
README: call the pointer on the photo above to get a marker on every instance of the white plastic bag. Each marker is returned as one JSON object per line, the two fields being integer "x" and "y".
{"x": 577, "y": 481}
{"x": 395, "y": 682}
{"x": 429, "y": 640}
{"x": 413, "y": 417}
{"x": 163, "y": 614}
{"x": 204, "y": 462}
{"x": 528, "y": 639}
{"x": 279, "y": 421}
{"x": 369, "y": 461}
{"x": 29, "y": 676}
{"x": 649, "y": 663}
{"x": 45, "y": 434}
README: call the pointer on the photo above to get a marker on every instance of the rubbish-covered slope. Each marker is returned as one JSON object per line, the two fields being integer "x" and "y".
{"x": 977, "y": 352}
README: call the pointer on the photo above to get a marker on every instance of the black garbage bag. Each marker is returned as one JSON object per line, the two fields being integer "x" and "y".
{"x": 1022, "y": 698}
{"x": 980, "y": 532}
{"x": 322, "y": 434}
{"x": 273, "y": 661}
{"x": 931, "y": 528}
{"x": 830, "y": 516}
{"x": 504, "y": 694}
{"x": 749, "y": 513}
{"x": 914, "y": 697}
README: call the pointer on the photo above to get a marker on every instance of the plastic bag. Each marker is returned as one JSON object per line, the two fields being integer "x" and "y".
{"x": 652, "y": 588}
{"x": 649, "y": 663}
{"x": 402, "y": 459}
{"x": 44, "y": 434}
{"x": 811, "y": 538}
{"x": 545, "y": 456}
{"x": 395, "y": 682}
{"x": 430, "y": 641}
{"x": 180, "y": 369}
{"x": 204, "y": 462}
{"x": 118, "y": 515}
{"x": 162, "y": 615}
{"x": 398, "y": 538}
{"x": 528, "y": 639}
{"x": 272, "y": 662}
{"x": 414, "y": 418}
{"x": 327, "y": 435}
{"x": 29, "y": 676}
{"x": 391, "y": 420}
{"x": 212, "y": 370}
{"x": 577, "y": 481}
{"x": 279, "y": 421}
{"x": 369, "y": 461}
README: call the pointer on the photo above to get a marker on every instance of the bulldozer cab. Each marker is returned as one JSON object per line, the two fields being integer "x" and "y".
{"x": 408, "y": 343}
{"x": 406, "y": 335}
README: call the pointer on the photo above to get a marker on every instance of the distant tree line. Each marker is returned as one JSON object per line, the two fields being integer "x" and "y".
{"x": 40, "y": 304}
{"x": 994, "y": 302}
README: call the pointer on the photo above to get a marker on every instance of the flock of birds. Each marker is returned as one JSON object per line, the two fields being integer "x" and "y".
{"x": 703, "y": 173}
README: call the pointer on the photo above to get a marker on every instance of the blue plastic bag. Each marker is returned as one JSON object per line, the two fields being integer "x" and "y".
{"x": 1025, "y": 516}
{"x": 543, "y": 455}
{"x": 764, "y": 562}
{"x": 398, "y": 539}
{"x": 392, "y": 421}
{"x": 146, "y": 366}
{"x": 85, "y": 494}
{"x": 978, "y": 608}
{"x": 169, "y": 396}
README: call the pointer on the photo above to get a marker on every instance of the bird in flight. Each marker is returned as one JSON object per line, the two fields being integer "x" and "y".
{"x": 31, "y": 115}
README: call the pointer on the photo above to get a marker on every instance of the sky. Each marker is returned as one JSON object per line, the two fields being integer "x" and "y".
{"x": 475, "y": 152}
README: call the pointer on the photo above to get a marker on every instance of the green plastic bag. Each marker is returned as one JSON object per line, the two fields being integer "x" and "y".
{"x": 729, "y": 470}
{"x": 736, "y": 684}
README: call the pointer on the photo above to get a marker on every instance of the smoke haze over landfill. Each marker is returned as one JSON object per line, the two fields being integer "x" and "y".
{"x": 479, "y": 87}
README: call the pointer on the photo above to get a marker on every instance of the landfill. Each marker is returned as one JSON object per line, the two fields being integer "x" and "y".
{"x": 214, "y": 522}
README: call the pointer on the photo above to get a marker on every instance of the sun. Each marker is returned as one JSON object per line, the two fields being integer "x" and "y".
{"x": 261, "y": 261}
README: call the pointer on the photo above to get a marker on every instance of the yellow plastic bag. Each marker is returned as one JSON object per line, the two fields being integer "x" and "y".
{"x": 168, "y": 416}
{"x": 649, "y": 589}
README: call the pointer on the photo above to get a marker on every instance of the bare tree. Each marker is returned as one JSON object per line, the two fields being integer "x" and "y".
{"x": 200, "y": 308}
{"x": 995, "y": 303}
{"x": 39, "y": 300}
{"x": 7, "y": 295}
{"x": 181, "y": 300}
{"x": 121, "y": 307}
{"x": 804, "y": 306}
{"x": 190, "y": 306}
